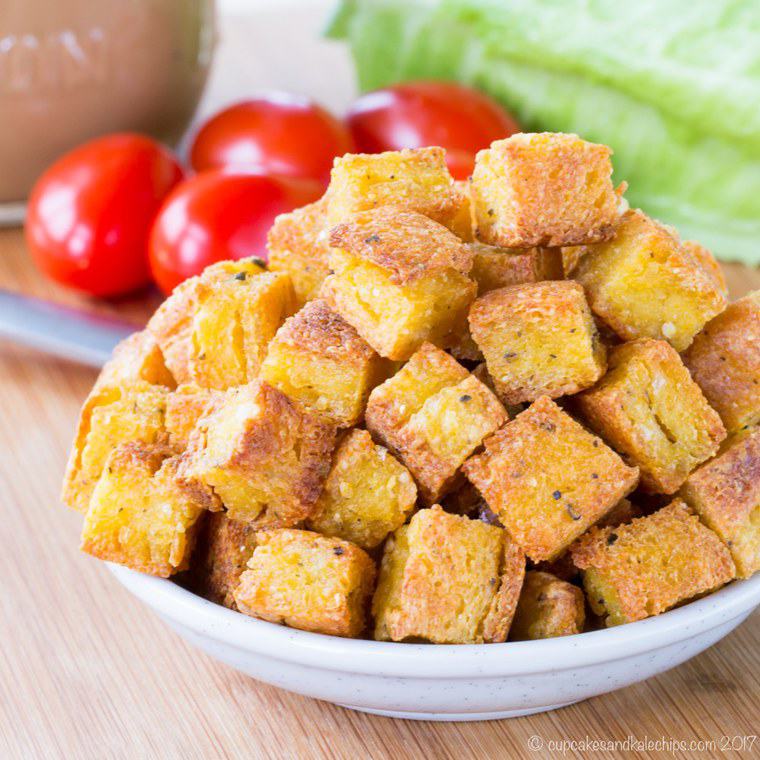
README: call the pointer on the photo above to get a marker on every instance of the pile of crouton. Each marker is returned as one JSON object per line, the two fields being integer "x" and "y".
{"x": 451, "y": 412}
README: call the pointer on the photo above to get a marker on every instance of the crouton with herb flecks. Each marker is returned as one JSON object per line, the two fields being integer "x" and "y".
{"x": 548, "y": 479}
{"x": 307, "y": 581}
{"x": 367, "y": 495}
{"x": 214, "y": 329}
{"x": 399, "y": 279}
{"x": 447, "y": 579}
{"x": 494, "y": 268}
{"x": 649, "y": 409}
{"x": 111, "y": 415}
{"x": 543, "y": 188}
{"x": 260, "y": 457}
{"x": 138, "y": 515}
{"x": 538, "y": 339}
{"x": 644, "y": 283}
{"x": 136, "y": 358}
{"x": 414, "y": 179}
{"x": 433, "y": 414}
{"x": 323, "y": 366}
{"x": 635, "y": 571}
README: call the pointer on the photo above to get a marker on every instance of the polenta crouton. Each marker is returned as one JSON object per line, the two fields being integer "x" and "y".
{"x": 214, "y": 329}
{"x": 548, "y": 607}
{"x": 724, "y": 360}
{"x": 220, "y": 557}
{"x": 136, "y": 358}
{"x": 184, "y": 407}
{"x": 538, "y": 339}
{"x": 725, "y": 493}
{"x": 323, "y": 366}
{"x": 261, "y": 457}
{"x": 548, "y": 479}
{"x": 411, "y": 180}
{"x": 448, "y": 580}
{"x": 433, "y": 414}
{"x": 494, "y": 268}
{"x": 307, "y": 581}
{"x": 709, "y": 264}
{"x": 644, "y": 284}
{"x": 138, "y": 515}
{"x": 400, "y": 280}
{"x": 367, "y": 495}
{"x": 634, "y": 571}
{"x": 543, "y": 189}
{"x": 650, "y": 410}
{"x": 111, "y": 415}
{"x": 298, "y": 246}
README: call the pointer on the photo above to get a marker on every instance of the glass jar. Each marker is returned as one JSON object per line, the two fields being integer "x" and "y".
{"x": 71, "y": 70}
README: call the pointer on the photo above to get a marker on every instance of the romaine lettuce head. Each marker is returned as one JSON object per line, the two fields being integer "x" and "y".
{"x": 672, "y": 86}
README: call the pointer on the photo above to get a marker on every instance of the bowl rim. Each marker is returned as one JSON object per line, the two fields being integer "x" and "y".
{"x": 391, "y": 659}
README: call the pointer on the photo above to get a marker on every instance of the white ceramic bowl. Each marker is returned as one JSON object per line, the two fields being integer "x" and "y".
{"x": 465, "y": 682}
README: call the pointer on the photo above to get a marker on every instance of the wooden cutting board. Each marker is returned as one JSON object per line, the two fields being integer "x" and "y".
{"x": 86, "y": 672}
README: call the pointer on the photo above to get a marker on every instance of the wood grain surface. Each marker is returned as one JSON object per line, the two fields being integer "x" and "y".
{"x": 87, "y": 672}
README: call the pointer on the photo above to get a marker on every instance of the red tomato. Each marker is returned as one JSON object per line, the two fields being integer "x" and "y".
{"x": 276, "y": 133}
{"x": 218, "y": 215}
{"x": 416, "y": 114}
{"x": 89, "y": 215}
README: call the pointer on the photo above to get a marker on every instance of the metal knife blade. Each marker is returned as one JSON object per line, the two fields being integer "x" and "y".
{"x": 60, "y": 330}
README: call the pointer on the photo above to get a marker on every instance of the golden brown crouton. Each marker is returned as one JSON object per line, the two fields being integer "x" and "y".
{"x": 538, "y": 339}
{"x": 400, "y": 279}
{"x": 367, "y": 495}
{"x": 262, "y": 458}
{"x": 644, "y": 283}
{"x": 494, "y": 268}
{"x": 307, "y": 581}
{"x": 411, "y": 180}
{"x": 136, "y": 358}
{"x": 548, "y": 607}
{"x": 724, "y": 359}
{"x": 448, "y": 580}
{"x": 298, "y": 246}
{"x": 709, "y": 264}
{"x": 725, "y": 493}
{"x": 433, "y": 414}
{"x": 650, "y": 410}
{"x": 111, "y": 415}
{"x": 548, "y": 479}
{"x": 184, "y": 407}
{"x": 220, "y": 557}
{"x": 634, "y": 571}
{"x": 138, "y": 516}
{"x": 323, "y": 366}
{"x": 214, "y": 329}
{"x": 543, "y": 189}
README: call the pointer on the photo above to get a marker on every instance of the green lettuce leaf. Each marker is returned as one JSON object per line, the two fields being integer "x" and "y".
{"x": 672, "y": 86}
